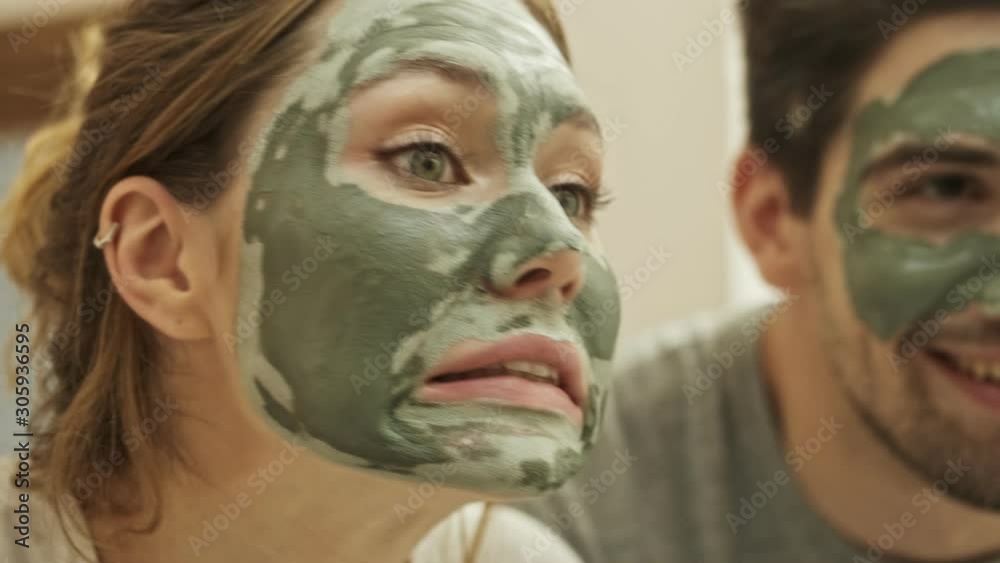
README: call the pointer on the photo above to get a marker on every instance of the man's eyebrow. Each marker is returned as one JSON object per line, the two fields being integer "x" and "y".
{"x": 927, "y": 153}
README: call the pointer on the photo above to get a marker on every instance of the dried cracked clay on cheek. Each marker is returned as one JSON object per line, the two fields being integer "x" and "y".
{"x": 347, "y": 300}
{"x": 894, "y": 280}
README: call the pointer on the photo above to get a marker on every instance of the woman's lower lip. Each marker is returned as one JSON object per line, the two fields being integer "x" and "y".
{"x": 507, "y": 389}
{"x": 981, "y": 392}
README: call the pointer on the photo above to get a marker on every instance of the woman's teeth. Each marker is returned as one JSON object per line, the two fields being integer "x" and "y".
{"x": 531, "y": 368}
{"x": 981, "y": 370}
{"x": 528, "y": 370}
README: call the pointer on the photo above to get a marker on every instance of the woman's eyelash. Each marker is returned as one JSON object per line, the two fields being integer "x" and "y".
{"x": 602, "y": 197}
{"x": 597, "y": 197}
{"x": 594, "y": 199}
{"x": 454, "y": 160}
{"x": 394, "y": 150}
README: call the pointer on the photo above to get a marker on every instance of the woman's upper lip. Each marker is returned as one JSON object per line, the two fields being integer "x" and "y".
{"x": 564, "y": 357}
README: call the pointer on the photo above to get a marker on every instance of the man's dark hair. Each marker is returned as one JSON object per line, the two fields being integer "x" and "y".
{"x": 801, "y": 48}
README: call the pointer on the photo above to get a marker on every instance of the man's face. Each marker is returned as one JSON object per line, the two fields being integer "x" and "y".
{"x": 409, "y": 180}
{"x": 906, "y": 251}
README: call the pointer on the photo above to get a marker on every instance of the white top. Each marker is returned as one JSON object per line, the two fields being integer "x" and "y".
{"x": 511, "y": 537}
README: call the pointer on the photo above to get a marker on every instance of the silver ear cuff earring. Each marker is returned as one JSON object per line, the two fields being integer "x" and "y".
{"x": 100, "y": 241}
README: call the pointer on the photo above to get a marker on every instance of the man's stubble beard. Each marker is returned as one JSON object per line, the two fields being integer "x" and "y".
{"x": 923, "y": 439}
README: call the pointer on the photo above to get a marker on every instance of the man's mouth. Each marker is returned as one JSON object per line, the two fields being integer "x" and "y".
{"x": 529, "y": 371}
{"x": 980, "y": 370}
{"x": 976, "y": 369}
{"x": 975, "y": 372}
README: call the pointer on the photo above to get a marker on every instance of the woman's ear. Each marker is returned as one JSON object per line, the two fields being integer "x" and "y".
{"x": 159, "y": 258}
{"x": 774, "y": 235}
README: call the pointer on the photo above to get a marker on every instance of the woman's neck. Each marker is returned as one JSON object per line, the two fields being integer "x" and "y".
{"x": 253, "y": 497}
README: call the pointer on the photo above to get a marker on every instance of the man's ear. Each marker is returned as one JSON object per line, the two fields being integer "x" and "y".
{"x": 774, "y": 235}
{"x": 160, "y": 261}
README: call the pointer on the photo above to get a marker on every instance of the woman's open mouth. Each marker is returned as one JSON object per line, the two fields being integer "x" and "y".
{"x": 532, "y": 372}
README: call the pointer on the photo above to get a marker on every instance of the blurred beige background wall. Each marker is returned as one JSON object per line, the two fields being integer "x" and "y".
{"x": 660, "y": 69}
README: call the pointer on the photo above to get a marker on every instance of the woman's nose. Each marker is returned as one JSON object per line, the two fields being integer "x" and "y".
{"x": 559, "y": 274}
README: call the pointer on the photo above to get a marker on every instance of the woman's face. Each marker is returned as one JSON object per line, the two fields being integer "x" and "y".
{"x": 421, "y": 288}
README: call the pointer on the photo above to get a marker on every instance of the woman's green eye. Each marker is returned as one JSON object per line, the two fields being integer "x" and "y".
{"x": 572, "y": 201}
{"x": 428, "y": 164}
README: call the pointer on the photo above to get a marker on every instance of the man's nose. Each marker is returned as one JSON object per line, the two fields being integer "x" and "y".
{"x": 559, "y": 274}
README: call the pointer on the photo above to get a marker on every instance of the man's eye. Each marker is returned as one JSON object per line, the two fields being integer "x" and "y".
{"x": 428, "y": 162}
{"x": 949, "y": 187}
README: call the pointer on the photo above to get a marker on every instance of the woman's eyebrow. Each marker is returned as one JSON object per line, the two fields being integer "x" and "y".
{"x": 581, "y": 117}
{"x": 450, "y": 71}
{"x": 584, "y": 118}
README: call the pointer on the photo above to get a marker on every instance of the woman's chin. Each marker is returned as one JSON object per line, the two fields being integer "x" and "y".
{"x": 510, "y": 474}
{"x": 503, "y": 478}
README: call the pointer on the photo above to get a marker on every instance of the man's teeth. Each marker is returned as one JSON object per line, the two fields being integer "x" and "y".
{"x": 981, "y": 370}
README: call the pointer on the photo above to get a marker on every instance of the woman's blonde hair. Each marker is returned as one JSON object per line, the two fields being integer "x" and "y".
{"x": 160, "y": 90}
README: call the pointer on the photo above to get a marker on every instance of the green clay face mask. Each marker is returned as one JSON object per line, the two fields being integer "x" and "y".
{"x": 348, "y": 299}
{"x": 916, "y": 254}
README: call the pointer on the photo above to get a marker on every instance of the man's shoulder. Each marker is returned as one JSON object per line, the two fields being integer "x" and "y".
{"x": 662, "y": 453}
{"x": 679, "y": 363}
